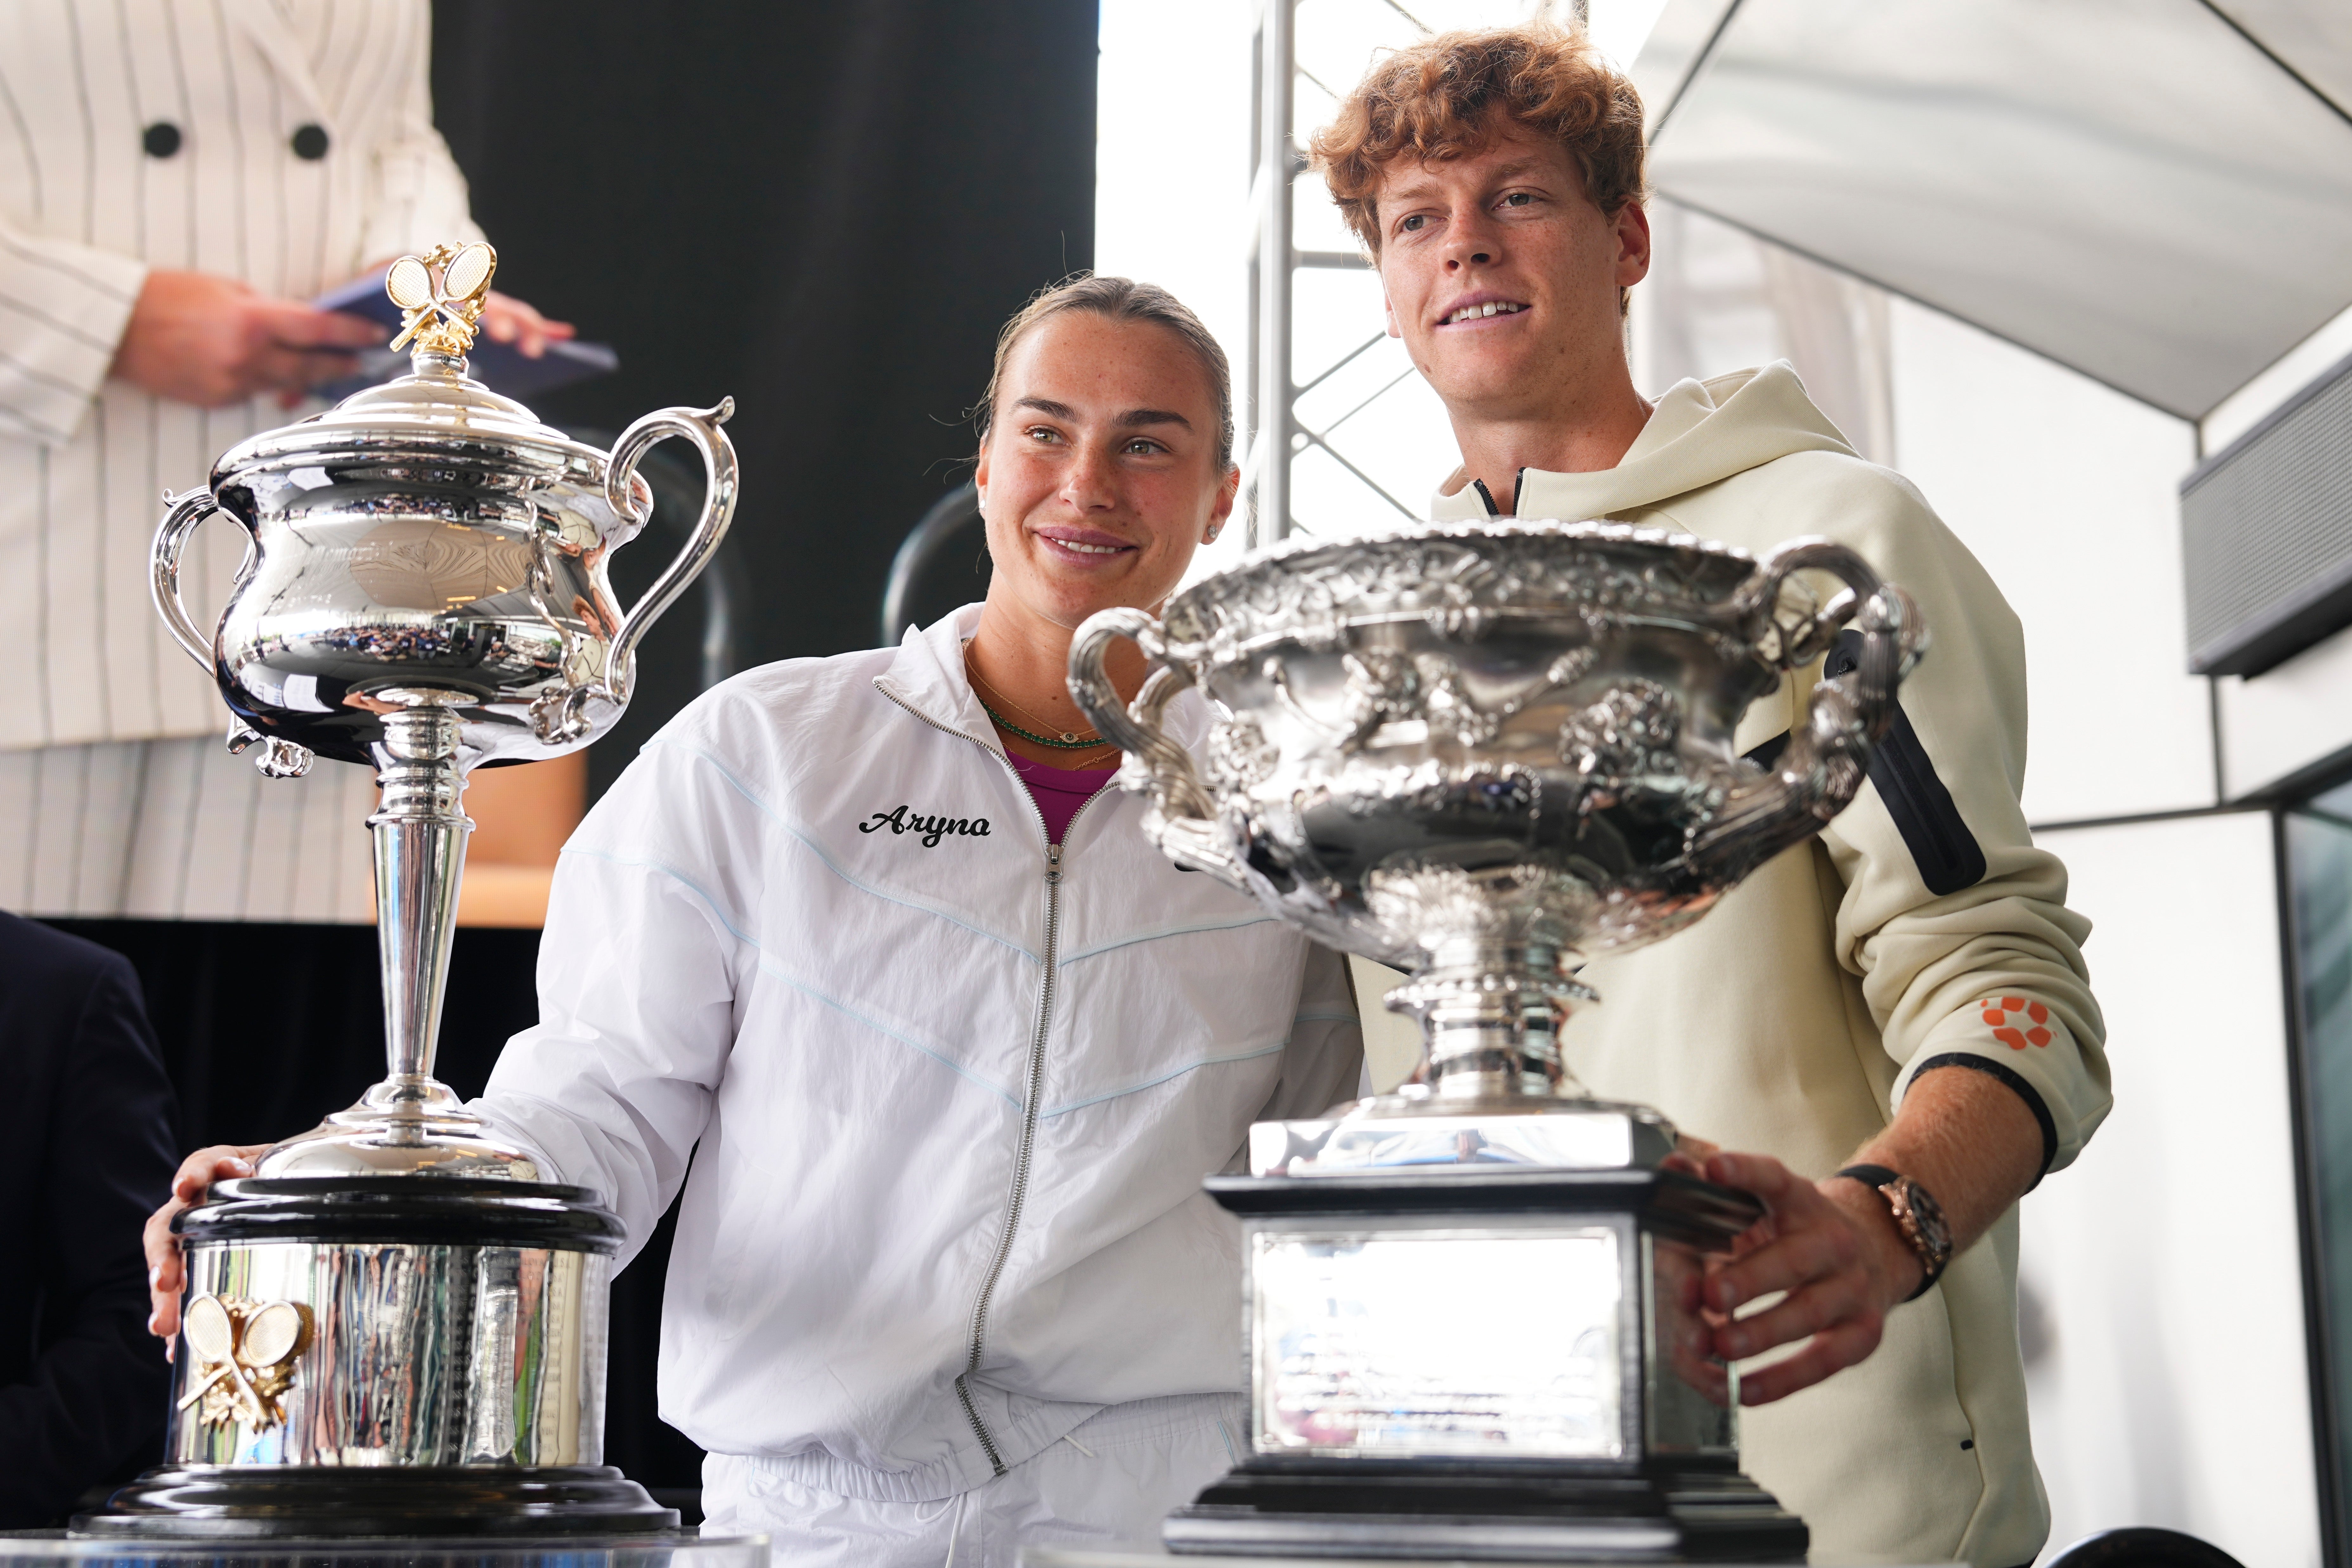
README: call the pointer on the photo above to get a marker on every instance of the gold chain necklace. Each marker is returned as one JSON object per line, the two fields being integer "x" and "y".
{"x": 1070, "y": 740}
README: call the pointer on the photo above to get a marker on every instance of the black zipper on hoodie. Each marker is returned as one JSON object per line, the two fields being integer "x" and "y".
{"x": 1518, "y": 493}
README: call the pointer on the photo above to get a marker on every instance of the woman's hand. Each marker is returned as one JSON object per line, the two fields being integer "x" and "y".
{"x": 507, "y": 319}
{"x": 167, "y": 1273}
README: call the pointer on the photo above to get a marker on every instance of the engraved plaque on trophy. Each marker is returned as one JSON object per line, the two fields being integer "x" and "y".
{"x": 1483, "y": 755}
{"x": 397, "y": 1325}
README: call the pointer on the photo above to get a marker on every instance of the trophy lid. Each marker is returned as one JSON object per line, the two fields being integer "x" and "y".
{"x": 436, "y": 411}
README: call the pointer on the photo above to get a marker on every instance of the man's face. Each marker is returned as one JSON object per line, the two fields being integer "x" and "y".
{"x": 1508, "y": 230}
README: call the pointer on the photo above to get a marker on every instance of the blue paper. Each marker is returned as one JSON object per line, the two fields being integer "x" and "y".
{"x": 501, "y": 367}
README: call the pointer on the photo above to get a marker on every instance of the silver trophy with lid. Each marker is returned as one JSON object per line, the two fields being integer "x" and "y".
{"x": 397, "y": 1325}
{"x": 1482, "y": 755}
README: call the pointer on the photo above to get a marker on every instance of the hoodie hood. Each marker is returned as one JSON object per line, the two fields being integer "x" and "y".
{"x": 1699, "y": 433}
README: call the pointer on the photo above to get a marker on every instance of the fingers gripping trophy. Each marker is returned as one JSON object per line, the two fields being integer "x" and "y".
{"x": 397, "y": 1324}
{"x": 1482, "y": 755}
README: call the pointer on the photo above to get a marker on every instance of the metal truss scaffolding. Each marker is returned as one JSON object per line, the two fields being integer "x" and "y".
{"x": 1277, "y": 435}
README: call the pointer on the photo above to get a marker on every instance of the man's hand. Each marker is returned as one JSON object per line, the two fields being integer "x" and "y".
{"x": 210, "y": 340}
{"x": 167, "y": 1275}
{"x": 1834, "y": 1247}
{"x": 507, "y": 319}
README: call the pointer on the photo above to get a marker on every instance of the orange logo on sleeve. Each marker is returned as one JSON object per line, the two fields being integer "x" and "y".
{"x": 1999, "y": 1012}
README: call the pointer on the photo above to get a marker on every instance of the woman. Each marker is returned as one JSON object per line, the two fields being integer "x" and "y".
{"x": 950, "y": 1044}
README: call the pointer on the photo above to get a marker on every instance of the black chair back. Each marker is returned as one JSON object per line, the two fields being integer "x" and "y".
{"x": 942, "y": 564}
{"x": 2142, "y": 1548}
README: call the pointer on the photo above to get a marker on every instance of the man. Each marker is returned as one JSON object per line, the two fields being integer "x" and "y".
{"x": 176, "y": 177}
{"x": 1906, "y": 992}
{"x": 86, "y": 1115}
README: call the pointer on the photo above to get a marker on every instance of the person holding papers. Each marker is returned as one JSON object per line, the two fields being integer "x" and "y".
{"x": 170, "y": 191}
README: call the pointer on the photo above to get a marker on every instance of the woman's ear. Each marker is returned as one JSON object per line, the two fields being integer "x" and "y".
{"x": 1222, "y": 508}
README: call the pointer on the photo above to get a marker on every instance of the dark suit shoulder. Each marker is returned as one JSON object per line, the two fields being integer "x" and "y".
{"x": 33, "y": 955}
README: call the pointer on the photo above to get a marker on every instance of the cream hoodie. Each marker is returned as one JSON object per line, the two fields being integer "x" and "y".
{"x": 1921, "y": 925}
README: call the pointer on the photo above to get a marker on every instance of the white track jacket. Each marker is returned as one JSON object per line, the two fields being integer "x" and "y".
{"x": 948, "y": 1094}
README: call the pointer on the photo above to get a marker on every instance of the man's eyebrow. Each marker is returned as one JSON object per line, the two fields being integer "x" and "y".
{"x": 1408, "y": 186}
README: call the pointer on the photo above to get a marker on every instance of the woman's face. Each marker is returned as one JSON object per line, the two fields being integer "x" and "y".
{"x": 1099, "y": 478}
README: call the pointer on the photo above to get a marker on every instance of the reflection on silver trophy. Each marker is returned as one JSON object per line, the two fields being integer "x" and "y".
{"x": 399, "y": 1321}
{"x": 1484, "y": 755}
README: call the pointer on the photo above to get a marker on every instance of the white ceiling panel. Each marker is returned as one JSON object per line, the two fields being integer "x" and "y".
{"x": 2136, "y": 189}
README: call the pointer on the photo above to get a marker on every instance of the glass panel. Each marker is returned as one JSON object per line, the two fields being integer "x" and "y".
{"x": 1438, "y": 1341}
{"x": 2319, "y": 873}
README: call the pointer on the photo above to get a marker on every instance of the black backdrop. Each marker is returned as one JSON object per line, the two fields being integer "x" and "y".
{"x": 824, "y": 210}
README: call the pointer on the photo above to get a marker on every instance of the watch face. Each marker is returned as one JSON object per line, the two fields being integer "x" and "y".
{"x": 1935, "y": 1234}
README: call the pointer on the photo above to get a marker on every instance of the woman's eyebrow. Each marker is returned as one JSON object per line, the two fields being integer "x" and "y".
{"x": 1048, "y": 407}
{"x": 1135, "y": 417}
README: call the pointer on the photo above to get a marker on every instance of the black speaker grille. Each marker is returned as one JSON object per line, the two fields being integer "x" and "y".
{"x": 2266, "y": 534}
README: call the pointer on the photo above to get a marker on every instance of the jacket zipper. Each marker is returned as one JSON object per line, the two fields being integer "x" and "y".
{"x": 1019, "y": 1196}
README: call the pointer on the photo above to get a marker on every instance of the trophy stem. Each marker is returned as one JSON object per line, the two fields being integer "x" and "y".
{"x": 420, "y": 857}
{"x": 1489, "y": 1014}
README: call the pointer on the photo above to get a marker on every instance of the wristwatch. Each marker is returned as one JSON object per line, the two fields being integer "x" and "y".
{"x": 1918, "y": 1216}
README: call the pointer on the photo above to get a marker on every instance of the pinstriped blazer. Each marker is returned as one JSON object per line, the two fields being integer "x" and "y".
{"x": 287, "y": 143}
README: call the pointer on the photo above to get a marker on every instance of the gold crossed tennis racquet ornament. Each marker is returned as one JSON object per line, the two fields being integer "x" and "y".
{"x": 245, "y": 1358}
{"x": 441, "y": 293}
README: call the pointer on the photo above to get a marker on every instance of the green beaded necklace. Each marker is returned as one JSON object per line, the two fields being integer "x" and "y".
{"x": 1068, "y": 743}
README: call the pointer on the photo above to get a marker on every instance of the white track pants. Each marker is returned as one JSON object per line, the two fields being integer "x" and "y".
{"x": 1112, "y": 1480}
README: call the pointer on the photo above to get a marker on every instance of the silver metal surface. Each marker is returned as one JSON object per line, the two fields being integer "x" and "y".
{"x": 417, "y": 1356}
{"x": 426, "y": 591}
{"x": 1452, "y": 1544}
{"x": 1479, "y": 753}
{"x": 2049, "y": 172}
{"x": 1270, "y": 345}
{"x": 1359, "y": 1349}
{"x": 1575, "y": 1135}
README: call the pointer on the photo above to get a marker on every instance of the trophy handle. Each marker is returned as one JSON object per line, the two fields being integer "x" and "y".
{"x": 1821, "y": 769}
{"x": 699, "y": 426}
{"x": 1181, "y": 818}
{"x": 186, "y": 513}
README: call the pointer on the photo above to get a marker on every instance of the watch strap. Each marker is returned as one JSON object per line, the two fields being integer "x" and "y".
{"x": 1879, "y": 1179}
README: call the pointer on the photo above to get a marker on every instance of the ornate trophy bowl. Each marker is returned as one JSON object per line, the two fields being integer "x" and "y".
{"x": 397, "y": 1325}
{"x": 1482, "y": 755}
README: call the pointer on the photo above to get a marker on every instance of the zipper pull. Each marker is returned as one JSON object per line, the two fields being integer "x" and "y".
{"x": 1052, "y": 865}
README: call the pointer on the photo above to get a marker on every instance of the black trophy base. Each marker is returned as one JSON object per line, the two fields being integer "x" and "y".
{"x": 220, "y": 1502}
{"x": 1459, "y": 1513}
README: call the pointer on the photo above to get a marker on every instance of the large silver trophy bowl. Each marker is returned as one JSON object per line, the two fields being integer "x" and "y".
{"x": 397, "y": 1326}
{"x": 1484, "y": 755}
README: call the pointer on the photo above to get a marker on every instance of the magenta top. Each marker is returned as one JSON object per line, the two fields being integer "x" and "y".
{"x": 1059, "y": 792}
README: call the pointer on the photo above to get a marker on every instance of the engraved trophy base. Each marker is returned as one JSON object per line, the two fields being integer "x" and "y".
{"x": 1460, "y": 1349}
{"x": 389, "y": 1355}
{"x": 225, "y": 1502}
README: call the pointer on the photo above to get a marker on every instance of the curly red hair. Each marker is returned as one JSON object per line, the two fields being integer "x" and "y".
{"x": 1447, "y": 95}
